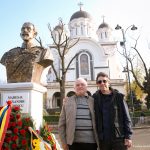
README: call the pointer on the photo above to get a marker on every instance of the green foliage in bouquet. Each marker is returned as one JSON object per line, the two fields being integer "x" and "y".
{"x": 46, "y": 134}
{"x": 18, "y": 136}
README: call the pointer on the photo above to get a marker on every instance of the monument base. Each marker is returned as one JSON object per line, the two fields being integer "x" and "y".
{"x": 27, "y": 95}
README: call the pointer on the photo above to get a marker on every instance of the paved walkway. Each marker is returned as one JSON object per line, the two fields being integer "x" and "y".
{"x": 141, "y": 138}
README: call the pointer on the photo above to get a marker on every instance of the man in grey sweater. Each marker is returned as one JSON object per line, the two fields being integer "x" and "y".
{"x": 77, "y": 128}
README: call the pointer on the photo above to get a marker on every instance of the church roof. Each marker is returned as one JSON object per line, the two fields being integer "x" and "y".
{"x": 58, "y": 27}
{"x": 103, "y": 25}
{"x": 80, "y": 14}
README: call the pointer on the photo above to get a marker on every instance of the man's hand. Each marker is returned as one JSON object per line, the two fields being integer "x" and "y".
{"x": 65, "y": 147}
{"x": 65, "y": 100}
{"x": 128, "y": 143}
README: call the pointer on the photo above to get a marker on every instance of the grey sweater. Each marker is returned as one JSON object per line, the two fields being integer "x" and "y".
{"x": 83, "y": 129}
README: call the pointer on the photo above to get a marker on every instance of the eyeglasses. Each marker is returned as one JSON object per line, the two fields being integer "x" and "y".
{"x": 100, "y": 81}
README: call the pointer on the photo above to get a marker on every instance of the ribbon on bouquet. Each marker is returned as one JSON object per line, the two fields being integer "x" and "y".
{"x": 4, "y": 120}
{"x": 37, "y": 143}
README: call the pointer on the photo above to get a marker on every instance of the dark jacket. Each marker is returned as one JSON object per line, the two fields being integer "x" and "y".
{"x": 120, "y": 118}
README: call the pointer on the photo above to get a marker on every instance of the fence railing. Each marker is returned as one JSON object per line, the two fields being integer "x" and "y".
{"x": 141, "y": 121}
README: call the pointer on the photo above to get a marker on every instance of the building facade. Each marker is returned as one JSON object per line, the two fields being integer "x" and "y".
{"x": 97, "y": 52}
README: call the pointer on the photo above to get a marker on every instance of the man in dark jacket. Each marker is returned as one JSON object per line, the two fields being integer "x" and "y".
{"x": 113, "y": 122}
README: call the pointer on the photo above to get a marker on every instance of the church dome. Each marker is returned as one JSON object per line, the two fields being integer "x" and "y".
{"x": 80, "y": 14}
{"x": 58, "y": 27}
{"x": 103, "y": 25}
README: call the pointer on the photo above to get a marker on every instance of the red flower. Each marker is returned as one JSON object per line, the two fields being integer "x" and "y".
{"x": 11, "y": 117}
{"x": 37, "y": 131}
{"x": 26, "y": 127}
{"x": 27, "y": 119}
{"x": 14, "y": 145}
{"x": 13, "y": 124}
{"x": 54, "y": 147}
{"x": 9, "y": 102}
{"x": 24, "y": 142}
{"x": 16, "y": 108}
{"x": 5, "y": 148}
{"x": 22, "y": 132}
{"x": 8, "y": 139}
{"x": 19, "y": 123}
{"x": 15, "y": 137}
{"x": 18, "y": 116}
{"x": 49, "y": 137}
{"x": 15, "y": 130}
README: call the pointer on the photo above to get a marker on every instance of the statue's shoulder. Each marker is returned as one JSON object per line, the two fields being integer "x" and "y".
{"x": 12, "y": 52}
{"x": 9, "y": 55}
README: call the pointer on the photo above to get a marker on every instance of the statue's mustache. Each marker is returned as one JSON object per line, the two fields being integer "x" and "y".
{"x": 25, "y": 34}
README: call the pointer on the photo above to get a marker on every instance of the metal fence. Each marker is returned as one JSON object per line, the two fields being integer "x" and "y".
{"x": 141, "y": 121}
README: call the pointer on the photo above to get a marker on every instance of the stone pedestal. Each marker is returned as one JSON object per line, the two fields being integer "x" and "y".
{"x": 27, "y": 95}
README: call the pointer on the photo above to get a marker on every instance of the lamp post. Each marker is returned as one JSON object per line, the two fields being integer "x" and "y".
{"x": 123, "y": 44}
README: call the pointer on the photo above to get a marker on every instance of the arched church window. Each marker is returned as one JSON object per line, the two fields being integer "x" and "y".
{"x": 101, "y": 35}
{"x": 76, "y": 30}
{"x": 105, "y": 34}
{"x": 56, "y": 100}
{"x": 87, "y": 29}
{"x": 81, "y": 29}
{"x": 84, "y": 64}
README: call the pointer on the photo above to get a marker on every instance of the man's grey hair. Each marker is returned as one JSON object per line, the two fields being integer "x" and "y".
{"x": 80, "y": 79}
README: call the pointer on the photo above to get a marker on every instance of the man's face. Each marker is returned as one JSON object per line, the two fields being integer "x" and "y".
{"x": 80, "y": 87}
{"x": 103, "y": 83}
{"x": 27, "y": 32}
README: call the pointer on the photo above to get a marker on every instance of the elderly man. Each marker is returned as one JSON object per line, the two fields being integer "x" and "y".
{"x": 77, "y": 121}
{"x": 26, "y": 63}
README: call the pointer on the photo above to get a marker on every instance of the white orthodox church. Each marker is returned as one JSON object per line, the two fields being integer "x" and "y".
{"x": 97, "y": 53}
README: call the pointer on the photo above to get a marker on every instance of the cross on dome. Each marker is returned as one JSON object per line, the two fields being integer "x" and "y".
{"x": 80, "y": 5}
{"x": 103, "y": 17}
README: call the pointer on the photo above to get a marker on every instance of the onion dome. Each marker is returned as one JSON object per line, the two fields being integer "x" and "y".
{"x": 58, "y": 27}
{"x": 103, "y": 25}
{"x": 80, "y": 14}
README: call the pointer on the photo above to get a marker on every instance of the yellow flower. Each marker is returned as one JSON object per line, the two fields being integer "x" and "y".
{"x": 36, "y": 143}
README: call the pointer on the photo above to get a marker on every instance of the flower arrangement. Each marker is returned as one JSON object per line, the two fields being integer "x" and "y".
{"x": 17, "y": 135}
{"x": 46, "y": 134}
{"x": 21, "y": 134}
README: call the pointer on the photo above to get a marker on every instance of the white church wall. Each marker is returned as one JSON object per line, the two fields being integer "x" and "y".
{"x": 115, "y": 68}
{"x": 71, "y": 75}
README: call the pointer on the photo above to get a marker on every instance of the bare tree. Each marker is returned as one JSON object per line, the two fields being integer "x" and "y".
{"x": 62, "y": 44}
{"x": 145, "y": 85}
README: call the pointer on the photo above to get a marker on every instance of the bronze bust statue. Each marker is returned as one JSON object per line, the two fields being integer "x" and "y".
{"x": 26, "y": 63}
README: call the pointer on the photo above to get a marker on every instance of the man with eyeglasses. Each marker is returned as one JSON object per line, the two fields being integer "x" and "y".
{"x": 113, "y": 121}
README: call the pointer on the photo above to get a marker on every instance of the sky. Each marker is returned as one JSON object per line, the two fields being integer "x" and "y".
{"x": 13, "y": 13}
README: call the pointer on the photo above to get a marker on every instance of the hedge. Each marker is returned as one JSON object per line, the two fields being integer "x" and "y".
{"x": 138, "y": 113}
{"x": 51, "y": 118}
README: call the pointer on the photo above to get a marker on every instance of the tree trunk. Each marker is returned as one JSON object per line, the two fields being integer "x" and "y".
{"x": 148, "y": 100}
{"x": 62, "y": 92}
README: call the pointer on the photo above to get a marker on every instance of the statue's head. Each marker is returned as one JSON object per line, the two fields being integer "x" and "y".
{"x": 28, "y": 31}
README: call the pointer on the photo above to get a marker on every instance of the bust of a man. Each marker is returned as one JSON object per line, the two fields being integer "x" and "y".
{"x": 26, "y": 63}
